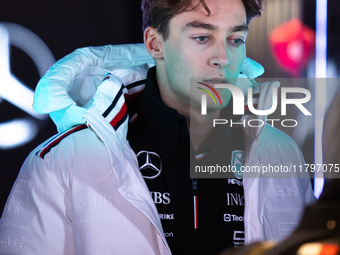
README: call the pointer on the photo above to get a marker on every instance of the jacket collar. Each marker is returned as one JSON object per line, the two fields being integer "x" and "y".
{"x": 157, "y": 119}
{"x": 166, "y": 124}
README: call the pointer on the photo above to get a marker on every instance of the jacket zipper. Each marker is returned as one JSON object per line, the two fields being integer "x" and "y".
{"x": 194, "y": 191}
{"x": 195, "y": 250}
{"x": 244, "y": 211}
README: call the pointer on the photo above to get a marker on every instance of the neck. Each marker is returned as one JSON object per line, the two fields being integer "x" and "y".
{"x": 199, "y": 127}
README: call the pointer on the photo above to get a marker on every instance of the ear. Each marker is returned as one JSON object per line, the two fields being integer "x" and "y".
{"x": 153, "y": 42}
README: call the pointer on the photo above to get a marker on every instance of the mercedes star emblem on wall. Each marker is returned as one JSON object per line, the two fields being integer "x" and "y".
{"x": 19, "y": 131}
{"x": 150, "y": 164}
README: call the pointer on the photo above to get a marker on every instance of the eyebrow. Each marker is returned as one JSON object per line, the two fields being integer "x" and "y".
{"x": 197, "y": 24}
{"x": 239, "y": 28}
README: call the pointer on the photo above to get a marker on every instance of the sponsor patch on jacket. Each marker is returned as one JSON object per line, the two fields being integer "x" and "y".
{"x": 237, "y": 161}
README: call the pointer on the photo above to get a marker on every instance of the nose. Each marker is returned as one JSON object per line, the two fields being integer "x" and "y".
{"x": 220, "y": 57}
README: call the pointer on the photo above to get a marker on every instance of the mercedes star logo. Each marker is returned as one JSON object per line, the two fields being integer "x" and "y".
{"x": 150, "y": 164}
{"x": 19, "y": 131}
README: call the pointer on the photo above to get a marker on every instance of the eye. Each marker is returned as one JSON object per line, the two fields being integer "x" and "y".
{"x": 201, "y": 39}
{"x": 237, "y": 41}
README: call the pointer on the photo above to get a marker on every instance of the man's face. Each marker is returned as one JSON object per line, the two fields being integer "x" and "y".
{"x": 201, "y": 46}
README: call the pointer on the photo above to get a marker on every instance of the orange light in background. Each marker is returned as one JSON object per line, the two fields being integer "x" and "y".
{"x": 292, "y": 45}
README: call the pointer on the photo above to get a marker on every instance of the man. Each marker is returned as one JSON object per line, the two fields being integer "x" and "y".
{"x": 83, "y": 192}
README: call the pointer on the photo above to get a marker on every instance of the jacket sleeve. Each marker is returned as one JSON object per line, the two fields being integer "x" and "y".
{"x": 34, "y": 221}
{"x": 71, "y": 82}
{"x": 277, "y": 196}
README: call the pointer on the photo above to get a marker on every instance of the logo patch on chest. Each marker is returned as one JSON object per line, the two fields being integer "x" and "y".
{"x": 237, "y": 162}
{"x": 150, "y": 164}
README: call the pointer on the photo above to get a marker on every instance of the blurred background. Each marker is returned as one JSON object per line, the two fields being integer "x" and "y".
{"x": 34, "y": 34}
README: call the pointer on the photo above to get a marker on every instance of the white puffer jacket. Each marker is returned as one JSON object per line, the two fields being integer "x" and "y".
{"x": 77, "y": 194}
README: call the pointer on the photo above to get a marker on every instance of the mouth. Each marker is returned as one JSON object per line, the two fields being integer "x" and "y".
{"x": 217, "y": 80}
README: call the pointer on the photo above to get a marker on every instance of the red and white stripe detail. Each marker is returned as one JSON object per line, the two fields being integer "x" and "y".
{"x": 55, "y": 140}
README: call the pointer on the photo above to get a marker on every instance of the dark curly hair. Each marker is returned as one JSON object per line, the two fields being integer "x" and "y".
{"x": 158, "y": 13}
